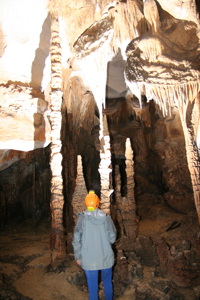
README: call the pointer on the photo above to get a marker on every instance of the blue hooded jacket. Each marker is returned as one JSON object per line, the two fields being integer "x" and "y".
{"x": 93, "y": 237}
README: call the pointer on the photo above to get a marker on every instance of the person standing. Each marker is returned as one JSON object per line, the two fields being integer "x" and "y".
{"x": 93, "y": 237}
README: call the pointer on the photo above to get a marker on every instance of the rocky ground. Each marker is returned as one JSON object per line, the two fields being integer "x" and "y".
{"x": 25, "y": 258}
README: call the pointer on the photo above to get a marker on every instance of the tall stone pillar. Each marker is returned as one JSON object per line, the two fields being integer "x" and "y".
{"x": 119, "y": 203}
{"x": 189, "y": 121}
{"x": 105, "y": 168}
{"x": 131, "y": 230}
{"x": 57, "y": 242}
{"x": 126, "y": 206}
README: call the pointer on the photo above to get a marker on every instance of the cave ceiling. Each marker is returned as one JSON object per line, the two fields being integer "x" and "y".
{"x": 161, "y": 57}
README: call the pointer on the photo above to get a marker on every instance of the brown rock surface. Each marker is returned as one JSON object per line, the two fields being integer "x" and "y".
{"x": 24, "y": 125}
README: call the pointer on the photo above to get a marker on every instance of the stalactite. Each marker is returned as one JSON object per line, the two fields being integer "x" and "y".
{"x": 180, "y": 95}
{"x": 93, "y": 55}
{"x": 166, "y": 95}
{"x": 151, "y": 14}
{"x": 80, "y": 190}
{"x": 105, "y": 166}
{"x": 94, "y": 69}
{"x": 57, "y": 198}
{"x": 129, "y": 23}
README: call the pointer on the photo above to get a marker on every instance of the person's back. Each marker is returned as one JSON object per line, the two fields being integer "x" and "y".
{"x": 93, "y": 238}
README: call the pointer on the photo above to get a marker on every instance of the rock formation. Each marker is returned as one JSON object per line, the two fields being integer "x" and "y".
{"x": 85, "y": 82}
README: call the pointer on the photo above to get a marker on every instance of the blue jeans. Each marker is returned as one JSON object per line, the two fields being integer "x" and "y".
{"x": 92, "y": 281}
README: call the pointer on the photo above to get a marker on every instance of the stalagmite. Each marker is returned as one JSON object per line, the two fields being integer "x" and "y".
{"x": 130, "y": 190}
{"x": 80, "y": 190}
{"x": 125, "y": 206}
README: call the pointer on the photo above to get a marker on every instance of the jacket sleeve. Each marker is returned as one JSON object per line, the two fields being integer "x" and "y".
{"x": 77, "y": 237}
{"x": 111, "y": 230}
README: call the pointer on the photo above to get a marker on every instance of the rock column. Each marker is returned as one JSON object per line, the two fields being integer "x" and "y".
{"x": 119, "y": 202}
{"x": 131, "y": 213}
{"x": 105, "y": 165}
{"x": 57, "y": 242}
{"x": 193, "y": 164}
{"x": 126, "y": 206}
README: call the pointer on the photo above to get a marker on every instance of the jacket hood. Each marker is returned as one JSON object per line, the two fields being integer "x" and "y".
{"x": 96, "y": 217}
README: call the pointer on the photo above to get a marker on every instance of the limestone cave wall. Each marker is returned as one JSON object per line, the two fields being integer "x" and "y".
{"x": 25, "y": 190}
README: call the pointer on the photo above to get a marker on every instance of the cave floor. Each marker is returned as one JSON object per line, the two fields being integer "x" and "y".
{"x": 25, "y": 258}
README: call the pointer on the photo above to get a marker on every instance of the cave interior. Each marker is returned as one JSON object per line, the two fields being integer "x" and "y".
{"x": 122, "y": 137}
